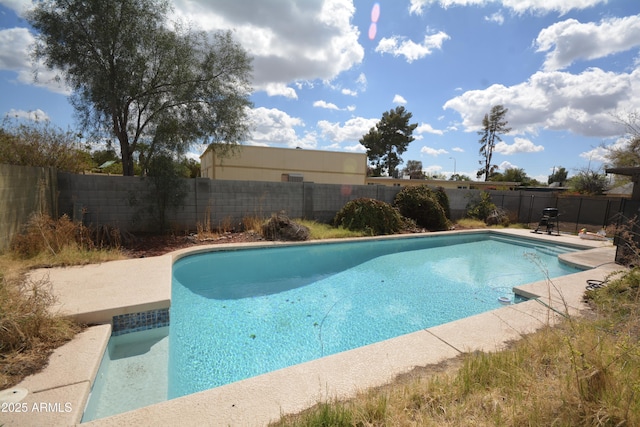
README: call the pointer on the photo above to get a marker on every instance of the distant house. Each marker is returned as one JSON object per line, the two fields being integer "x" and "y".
{"x": 254, "y": 163}
{"x": 461, "y": 185}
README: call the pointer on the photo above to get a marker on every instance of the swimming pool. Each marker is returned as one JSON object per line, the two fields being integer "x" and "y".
{"x": 226, "y": 304}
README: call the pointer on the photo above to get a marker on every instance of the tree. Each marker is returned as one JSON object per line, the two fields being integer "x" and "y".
{"x": 626, "y": 154}
{"x": 459, "y": 177}
{"x": 387, "y": 140}
{"x": 559, "y": 175}
{"x": 152, "y": 86}
{"x": 512, "y": 175}
{"x": 494, "y": 124}
{"x": 589, "y": 182}
{"x": 414, "y": 169}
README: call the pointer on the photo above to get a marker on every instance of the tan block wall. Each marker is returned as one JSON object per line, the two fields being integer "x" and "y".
{"x": 23, "y": 191}
{"x": 269, "y": 164}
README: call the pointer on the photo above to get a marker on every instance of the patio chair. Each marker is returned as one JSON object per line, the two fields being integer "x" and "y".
{"x": 549, "y": 221}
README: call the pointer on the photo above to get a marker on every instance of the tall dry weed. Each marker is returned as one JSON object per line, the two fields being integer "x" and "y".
{"x": 44, "y": 234}
{"x": 29, "y": 331}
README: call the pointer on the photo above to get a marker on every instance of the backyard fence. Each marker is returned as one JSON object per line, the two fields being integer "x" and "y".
{"x": 128, "y": 202}
{"x": 23, "y": 191}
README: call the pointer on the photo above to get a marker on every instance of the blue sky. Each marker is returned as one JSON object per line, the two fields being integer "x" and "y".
{"x": 563, "y": 68}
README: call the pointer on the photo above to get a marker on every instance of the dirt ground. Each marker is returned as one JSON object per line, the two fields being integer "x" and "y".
{"x": 142, "y": 246}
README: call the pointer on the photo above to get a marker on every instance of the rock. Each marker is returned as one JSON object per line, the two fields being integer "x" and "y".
{"x": 280, "y": 227}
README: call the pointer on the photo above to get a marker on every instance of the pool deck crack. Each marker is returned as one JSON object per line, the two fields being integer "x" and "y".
{"x": 445, "y": 342}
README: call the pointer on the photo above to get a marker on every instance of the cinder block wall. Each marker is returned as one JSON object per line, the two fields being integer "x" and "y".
{"x": 123, "y": 202}
{"x": 23, "y": 191}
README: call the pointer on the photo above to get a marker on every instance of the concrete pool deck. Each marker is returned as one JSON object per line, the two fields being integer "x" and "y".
{"x": 95, "y": 293}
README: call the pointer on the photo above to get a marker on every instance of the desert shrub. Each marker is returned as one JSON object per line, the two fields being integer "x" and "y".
{"x": 484, "y": 209}
{"x": 421, "y": 204}
{"x": 369, "y": 215}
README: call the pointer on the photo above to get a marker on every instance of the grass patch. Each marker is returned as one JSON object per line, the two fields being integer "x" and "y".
{"x": 320, "y": 231}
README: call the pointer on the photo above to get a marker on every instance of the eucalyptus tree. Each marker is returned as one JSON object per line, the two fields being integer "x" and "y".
{"x": 153, "y": 84}
{"x": 388, "y": 139}
{"x": 494, "y": 124}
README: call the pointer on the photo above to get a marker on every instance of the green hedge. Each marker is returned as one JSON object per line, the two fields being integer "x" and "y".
{"x": 369, "y": 215}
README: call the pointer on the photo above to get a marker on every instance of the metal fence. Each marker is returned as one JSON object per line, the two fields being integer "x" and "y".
{"x": 575, "y": 212}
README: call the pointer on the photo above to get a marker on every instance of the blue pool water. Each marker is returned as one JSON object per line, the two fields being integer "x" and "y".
{"x": 237, "y": 314}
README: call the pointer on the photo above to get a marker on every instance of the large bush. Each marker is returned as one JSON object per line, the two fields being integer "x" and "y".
{"x": 369, "y": 215}
{"x": 421, "y": 204}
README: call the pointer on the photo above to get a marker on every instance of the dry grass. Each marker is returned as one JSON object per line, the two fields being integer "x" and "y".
{"x": 29, "y": 331}
{"x": 319, "y": 231}
{"x": 253, "y": 223}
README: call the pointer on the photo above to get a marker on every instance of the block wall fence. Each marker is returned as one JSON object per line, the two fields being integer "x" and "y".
{"x": 122, "y": 201}
{"x": 24, "y": 190}
{"x": 111, "y": 200}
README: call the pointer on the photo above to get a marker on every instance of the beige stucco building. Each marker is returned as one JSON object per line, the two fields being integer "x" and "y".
{"x": 252, "y": 163}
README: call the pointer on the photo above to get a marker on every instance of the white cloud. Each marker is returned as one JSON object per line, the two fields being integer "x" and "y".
{"x": 517, "y": 6}
{"x": 598, "y": 154}
{"x": 326, "y": 105}
{"x": 400, "y": 46}
{"x": 288, "y": 40}
{"x": 520, "y": 145}
{"x": 349, "y": 92}
{"x": 397, "y": 99}
{"x": 432, "y": 151}
{"x": 280, "y": 89}
{"x": 580, "y": 103}
{"x": 506, "y": 165}
{"x": 14, "y": 49}
{"x": 457, "y": 150}
{"x": 352, "y": 130}
{"x": 356, "y": 148}
{"x": 362, "y": 81}
{"x": 15, "y": 45}
{"x": 18, "y": 6}
{"x": 275, "y": 127}
{"x": 427, "y": 128}
{"x": 496, "y": 18}
{"x": 571, "y": 40}
{"x": 35, "y": 115}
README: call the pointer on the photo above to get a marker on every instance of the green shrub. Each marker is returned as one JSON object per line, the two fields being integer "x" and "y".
{"x": 369, "y": 215}
{"x": 443, "y": 199}
{"x": 421, "y": 204}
